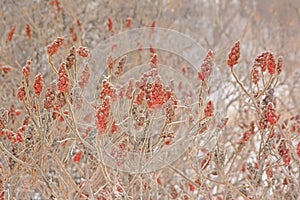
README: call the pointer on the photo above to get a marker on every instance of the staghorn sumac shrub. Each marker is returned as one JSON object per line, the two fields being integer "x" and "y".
{"x": 154, "y": 121}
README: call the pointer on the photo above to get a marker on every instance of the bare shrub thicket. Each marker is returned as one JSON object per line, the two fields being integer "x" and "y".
{"x": 47, "y": 152}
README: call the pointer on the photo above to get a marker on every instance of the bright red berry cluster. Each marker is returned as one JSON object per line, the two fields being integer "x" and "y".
{"x": 26, "y": 69}
{"x": 270, "y": 114}
{"x": 63, "y": 78}
{"x": 270, "y": 62}
{"x": 83, "y": 52}
{"x": 114, "y": 127}
{"x": 260, "y": 61}
{"x": 60, "y": 101}
{"x": 28, "y": 31}
{"x": 139, "y": 99}
{"x": 107, "y": 90}
{"x": 153, "y": 60}
{"x": 246, "y": 136}
{"x": 49, "y": 98}
{"x": 54, "y": 46}
{"x": 77, "y": 157}
{"x": 21, "y": 94}
{"x": 13, "y": 137}
{"x": 109, "y": 24}
{"x": 266, "y": 62}
{"x": 38, "y": 84}
{"x": 102, "y": 115}
{"x": 284, "y": 152}
{"x": 255, "y": 75}
{"x": 154, "y": 91}
{"x": 157, "y": 94}
{"x": 234, "y": 55}
{"x": 11, "y": 33}
{"x": 209, "y": 109}
{"x": 110, "y": 62}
